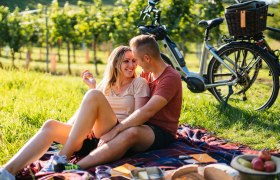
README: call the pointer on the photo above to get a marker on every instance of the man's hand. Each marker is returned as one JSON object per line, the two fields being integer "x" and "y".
{"x": 91, "y": 135}
{"x": 108, "y": 137}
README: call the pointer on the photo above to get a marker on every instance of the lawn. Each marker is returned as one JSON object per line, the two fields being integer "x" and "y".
{"x": 30, "y": 98}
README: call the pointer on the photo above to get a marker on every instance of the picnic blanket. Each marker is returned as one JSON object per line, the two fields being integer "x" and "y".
{"x": 189, "y": 141}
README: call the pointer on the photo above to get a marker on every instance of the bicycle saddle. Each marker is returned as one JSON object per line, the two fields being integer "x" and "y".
{"x": 211, "y": 23}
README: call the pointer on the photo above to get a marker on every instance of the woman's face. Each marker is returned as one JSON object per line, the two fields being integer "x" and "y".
{"x": 128, "y": 65}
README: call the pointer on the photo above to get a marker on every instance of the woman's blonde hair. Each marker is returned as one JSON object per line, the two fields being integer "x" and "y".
{"x": 113, "y": 69}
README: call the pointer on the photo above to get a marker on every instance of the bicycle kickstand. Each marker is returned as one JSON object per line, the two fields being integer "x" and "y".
{"x": 230, "y": 92}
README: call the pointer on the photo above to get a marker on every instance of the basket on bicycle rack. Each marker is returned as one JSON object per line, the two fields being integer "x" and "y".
{"x": 246, "y": 19}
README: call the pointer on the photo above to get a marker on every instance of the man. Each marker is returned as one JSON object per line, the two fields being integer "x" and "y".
{"x": 155, "y": 124}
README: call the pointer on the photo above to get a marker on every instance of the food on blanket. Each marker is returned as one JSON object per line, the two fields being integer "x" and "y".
{"x": 147, "y": 173}
{"x": 244, "y": 162}
{"x": 203, "y": 158}
{"x": 187, "y": 172}
{"x": 123, "y": 170}
{"x": 265, "y": 155}
{"x": 143, "y": 175}
{"x": 220, "y": 171}
{"x": 257, "y": 164}
{"x": 191, "y": 176}
{"x": 269, "y": 166}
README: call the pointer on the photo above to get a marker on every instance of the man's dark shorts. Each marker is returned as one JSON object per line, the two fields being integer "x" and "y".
{"x": 162, "y": 138}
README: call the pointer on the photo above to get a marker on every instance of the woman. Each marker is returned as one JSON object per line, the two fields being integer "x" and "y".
{"x": 115, "y": 98}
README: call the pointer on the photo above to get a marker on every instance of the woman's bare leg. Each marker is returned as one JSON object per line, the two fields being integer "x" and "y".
{"x": 36, "y": 147}
{"x": 95, "y": 113}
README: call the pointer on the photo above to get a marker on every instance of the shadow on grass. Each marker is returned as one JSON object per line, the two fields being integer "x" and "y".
{"x": 258, "y": 119}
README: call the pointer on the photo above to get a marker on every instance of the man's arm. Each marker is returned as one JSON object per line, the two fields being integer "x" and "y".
{"x": 138, "y": 117}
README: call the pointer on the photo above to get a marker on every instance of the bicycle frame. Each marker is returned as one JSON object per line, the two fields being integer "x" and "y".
{"x": 184, "y": 71}
{"x": 195, "y": 81}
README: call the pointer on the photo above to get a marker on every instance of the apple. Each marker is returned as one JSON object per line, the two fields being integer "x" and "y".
{"x": 269, "y": 166}
{"x": 257, "y": 164}
{"x": 265, "y": 155}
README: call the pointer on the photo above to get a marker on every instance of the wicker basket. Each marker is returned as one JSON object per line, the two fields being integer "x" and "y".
{"x": 248, "y": 21}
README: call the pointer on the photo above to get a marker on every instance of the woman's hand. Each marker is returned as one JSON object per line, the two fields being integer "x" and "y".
{"x": 89, "y": 79}
{"x": 107, "y": 137}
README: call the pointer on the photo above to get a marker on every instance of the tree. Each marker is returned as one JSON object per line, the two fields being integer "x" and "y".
{"x": 181, "y": 22}
{"x": 15, "y": 33}
{"x": 64, "y": 22}
{"x": 4, "y": 12}
{"x": 125, "y": 17}
{"x": 94, "y": 25}
{"x": 30, "y": 32}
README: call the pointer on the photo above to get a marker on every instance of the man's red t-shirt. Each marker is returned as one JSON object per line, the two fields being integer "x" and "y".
{"x": 169, "y": 86}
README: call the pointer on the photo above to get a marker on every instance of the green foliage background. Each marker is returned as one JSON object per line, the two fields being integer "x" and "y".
{"x": 32, "y": 4}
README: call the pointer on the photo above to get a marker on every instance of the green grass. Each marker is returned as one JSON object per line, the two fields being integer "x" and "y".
{"x": 30, "y": 98}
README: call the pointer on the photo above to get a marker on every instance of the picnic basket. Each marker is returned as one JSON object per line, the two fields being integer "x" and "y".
{"x": 246, "y": 19}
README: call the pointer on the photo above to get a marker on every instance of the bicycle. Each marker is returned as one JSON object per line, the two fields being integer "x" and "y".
{"x": 231, "y": 76}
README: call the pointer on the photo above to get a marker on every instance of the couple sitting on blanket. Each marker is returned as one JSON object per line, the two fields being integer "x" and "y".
{"x": 123, "y": 112}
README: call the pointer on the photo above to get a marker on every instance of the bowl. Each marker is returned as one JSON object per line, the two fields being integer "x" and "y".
{"x": 251, "y": 174}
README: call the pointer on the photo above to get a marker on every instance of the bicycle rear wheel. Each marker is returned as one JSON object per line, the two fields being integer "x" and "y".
{"x": 258, "y": 79}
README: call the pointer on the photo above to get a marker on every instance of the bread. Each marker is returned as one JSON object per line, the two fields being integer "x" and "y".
{"x": 190, "y": 176}
{"x": 187, "y": 172}
{"x": 220, "y": 171}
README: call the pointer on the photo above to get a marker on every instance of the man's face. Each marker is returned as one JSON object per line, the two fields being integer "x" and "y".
{"x": 138, "y": 58}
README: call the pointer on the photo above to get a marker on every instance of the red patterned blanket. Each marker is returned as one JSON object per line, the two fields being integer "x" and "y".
{"x": 189, "y": 141}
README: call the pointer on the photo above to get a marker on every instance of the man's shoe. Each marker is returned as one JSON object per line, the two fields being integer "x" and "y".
{"x": 5, "y": 175}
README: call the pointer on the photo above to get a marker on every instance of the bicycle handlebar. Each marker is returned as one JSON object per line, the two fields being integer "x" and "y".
{"x": 150, "y": 8}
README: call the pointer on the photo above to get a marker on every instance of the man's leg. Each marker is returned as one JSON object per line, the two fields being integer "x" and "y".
{"x": 36, "y": 147}
{"x": 137, "y": 138}
{"x": 95, "y": 113}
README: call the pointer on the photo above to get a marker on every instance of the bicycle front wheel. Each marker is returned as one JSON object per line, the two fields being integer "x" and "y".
{"x": 257, "y": 83}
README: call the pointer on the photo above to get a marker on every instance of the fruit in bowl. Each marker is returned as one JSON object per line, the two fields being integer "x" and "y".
{"x": 264, "y": 155}
{"x": 245, "y": 165}
{"x": 269, "y": 166}
{"x": 244, "y": 162}
{"x": 258, "y": 164}
{"x": 262, "y": 162}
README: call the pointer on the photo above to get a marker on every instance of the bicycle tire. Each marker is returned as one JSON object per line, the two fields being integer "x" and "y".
{"x": 258, "y": 84}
